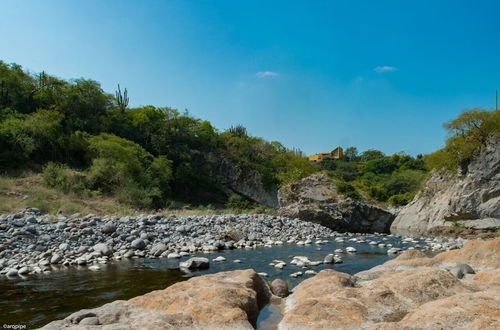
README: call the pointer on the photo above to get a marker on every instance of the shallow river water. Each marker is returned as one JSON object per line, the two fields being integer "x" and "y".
{"x": 39, "y": 299}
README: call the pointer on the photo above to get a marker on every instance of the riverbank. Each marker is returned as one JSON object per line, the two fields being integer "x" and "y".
{"x": 454, "y": 289}
{"x": 31, "y": 242}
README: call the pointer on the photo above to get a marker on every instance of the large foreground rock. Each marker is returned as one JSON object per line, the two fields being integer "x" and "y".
{"x": 469, "y": 199}
{"x": 227, "y": 300}
{"x": 316, "y": 199}
{"x": 409, "y": 292}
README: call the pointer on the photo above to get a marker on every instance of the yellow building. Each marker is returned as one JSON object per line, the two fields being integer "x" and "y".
{"x": 336, "y": 153}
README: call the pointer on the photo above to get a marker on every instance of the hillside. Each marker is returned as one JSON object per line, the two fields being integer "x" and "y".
{"x": 91, "y": 144}
{"x": 74, "y": 140}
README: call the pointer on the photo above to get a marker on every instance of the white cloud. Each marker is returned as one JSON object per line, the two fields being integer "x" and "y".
{"x": 266, "y": 74}
{"x": 385, "y": 68}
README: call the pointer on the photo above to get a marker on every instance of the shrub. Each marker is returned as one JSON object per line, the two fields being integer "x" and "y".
{"x": 403, "y": 182}
{"x": 380, "y": 166}
{"x": 61, "y": 177}
{"x": 400, "y": 199}
{"x": 123, "y": 167}
{"x": 378, "y": 193}
{"x": 348, "y": 190}
{"x": 237, "y": 202}
{"x": 469, "y": 133}
{"x": 296, "y": 169}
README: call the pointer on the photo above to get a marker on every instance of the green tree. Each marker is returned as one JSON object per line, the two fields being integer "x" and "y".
{"x": 83, "y": 105}
{"x": 371, "y": 154}
{"x": 124, "y": 168}
{"x": 469, "y": 133}
{"x": 351, "y": 154}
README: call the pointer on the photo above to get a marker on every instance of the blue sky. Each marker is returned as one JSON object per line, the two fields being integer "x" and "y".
{"x": 311, "y": 74}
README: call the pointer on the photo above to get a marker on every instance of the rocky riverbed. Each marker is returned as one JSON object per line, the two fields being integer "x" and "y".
{"x": 454, "y": 289}
{"x": 31, "y": 242}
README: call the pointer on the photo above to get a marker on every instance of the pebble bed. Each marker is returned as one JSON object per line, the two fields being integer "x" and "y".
{"x": 31, "y": 242}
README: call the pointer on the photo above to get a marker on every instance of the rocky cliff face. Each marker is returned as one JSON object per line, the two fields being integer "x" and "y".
{"x": 245, "y": 182}
{"x": 316, "y": 199}
{"x": 470, "y": 199}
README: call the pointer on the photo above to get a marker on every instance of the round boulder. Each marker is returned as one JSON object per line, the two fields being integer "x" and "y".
{"x": 103, "y": 249}
{"x": 279, "y": 288}
{"x": 460, "y": 270}
{"x": 108, "y": 228}
{"x": 138, "y": 244}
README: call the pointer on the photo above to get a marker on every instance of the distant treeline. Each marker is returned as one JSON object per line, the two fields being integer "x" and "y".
{"x": 89, "y": 142}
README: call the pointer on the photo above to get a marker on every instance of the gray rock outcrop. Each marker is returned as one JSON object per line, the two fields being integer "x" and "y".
{"x": 469, "y": 199}
{"x": 245, "y": 182}
{"x": 316, "y": 199}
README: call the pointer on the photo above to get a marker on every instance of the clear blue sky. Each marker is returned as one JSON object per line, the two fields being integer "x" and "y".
{"x": 311, "y": 74}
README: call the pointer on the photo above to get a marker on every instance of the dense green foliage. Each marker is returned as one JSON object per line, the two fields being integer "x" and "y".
{"x": 89, "y": 142}
{"x": 372, "y": 174}
{"x": 469, "y": 133}
{"x": 395, "y": 179}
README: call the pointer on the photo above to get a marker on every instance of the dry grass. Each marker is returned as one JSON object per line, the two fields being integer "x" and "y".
{"x": 29, "y": 191}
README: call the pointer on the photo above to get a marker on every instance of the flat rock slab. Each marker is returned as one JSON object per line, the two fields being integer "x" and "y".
{"x": 486, "y": 224}
{"x": 226, "y": 300}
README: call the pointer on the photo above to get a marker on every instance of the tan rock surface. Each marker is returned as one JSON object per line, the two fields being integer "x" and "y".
{"x": 409, "y": 292}
{"x": 478, "y": 254}
{"x": 226, "y": 300}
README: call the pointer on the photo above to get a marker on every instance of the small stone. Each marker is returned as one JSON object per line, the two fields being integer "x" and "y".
{"x": 158, "y": 249}
{"x": 280, "y": 265}
{"x": 89, "y": 320}
{"x": 219, "y": 258}
{"x": 12, "y": 272}
{"x": 195, "y": 263}
{"x": 108, "y": 228}
{"x": 279, "y": 288}
{"x": 138, "y": 244}
{"x": 103, "y": 249}
{"x": 460, "y": 270}
{"x": 173, "y": 255}
{"x": 129, "y": 254}
{"x": 81, "y": 261}
{"x": 329, "y": 259}
{"x": 24, "y": 270}
{"x": 56, "y": 258}
{"x": 63, "y": 246}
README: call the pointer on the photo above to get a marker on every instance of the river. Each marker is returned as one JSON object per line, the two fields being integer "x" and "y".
{"x": 38, "y": 299}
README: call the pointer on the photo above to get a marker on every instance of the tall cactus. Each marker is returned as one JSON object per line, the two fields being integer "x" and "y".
{"x": 121, "y": 99}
